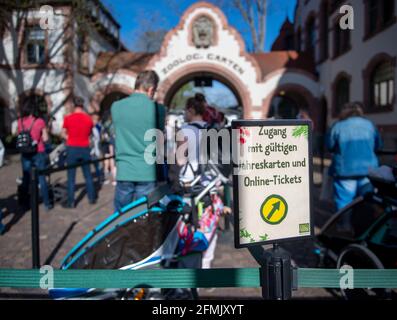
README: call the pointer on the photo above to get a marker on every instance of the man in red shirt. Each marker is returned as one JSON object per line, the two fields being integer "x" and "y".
{"x": 77, "y": 128}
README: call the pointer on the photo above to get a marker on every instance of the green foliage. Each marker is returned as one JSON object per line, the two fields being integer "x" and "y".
{"x": 300, "y": 131}
{"x": 245, "y": 234}
{"x": 265, "y": 237}
{"x": 179, "y": 100}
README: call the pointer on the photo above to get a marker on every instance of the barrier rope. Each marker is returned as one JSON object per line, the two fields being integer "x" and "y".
{"x": 191, "y": 278}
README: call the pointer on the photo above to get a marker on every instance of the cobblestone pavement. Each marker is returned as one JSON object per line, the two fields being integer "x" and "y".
{"x": 61, "y": 229}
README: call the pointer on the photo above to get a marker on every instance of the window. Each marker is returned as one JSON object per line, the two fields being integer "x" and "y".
{"x": 341, "y": 93}
{"x": 373, "y": 15}
{"x": 336, "y": 4}
{"x": 382, "y": 85}
{"x": 379, "y": 15}
{"x": 388, "y": 11}
{"x": 35, "y": 45}
{"x": 341, "y": 39}
{"x": 311, "y": 35}
{"x": 379, "y": 83}
{"x": 324, "y": 31}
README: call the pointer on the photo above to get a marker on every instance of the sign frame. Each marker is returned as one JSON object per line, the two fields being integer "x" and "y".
{"x": 260, "y": 123}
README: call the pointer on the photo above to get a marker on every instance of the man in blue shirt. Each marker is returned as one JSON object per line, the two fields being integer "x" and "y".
{"x": 353, "y": 141}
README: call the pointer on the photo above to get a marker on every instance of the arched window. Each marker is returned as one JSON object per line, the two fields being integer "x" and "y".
{"x": 382, "y": 85}
{"x": 324, "y": 31}
{"x": 379, "y": 83}
{"x": 341, "y": 39}
{"x": 379, "y": 14}
{"x": 341, "y": 93}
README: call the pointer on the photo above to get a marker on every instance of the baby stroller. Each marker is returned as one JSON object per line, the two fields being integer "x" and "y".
{"x": 156, "y": 231}
{"x": 371, "y": 240}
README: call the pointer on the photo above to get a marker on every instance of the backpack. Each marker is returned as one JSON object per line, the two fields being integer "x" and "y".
{"x": 201, "y": 166}
{"x": 24, "y": 142}
{"x": 207, "y": 153}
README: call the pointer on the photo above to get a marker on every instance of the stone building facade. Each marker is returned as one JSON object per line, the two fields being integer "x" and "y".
{"x": 351, "y": 65}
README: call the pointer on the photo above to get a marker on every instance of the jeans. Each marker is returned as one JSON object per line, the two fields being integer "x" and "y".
{"x": 38, "y": 160}
{"x": 99, "y": 173}
{"x": 347, "y": 189}
{"x": 75, "y": 155}
{"x": 128, "y": 191}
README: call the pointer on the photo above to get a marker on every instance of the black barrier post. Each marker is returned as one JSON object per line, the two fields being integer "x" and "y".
{"x": 34, "y": 204}
{"x": 277, "y": 277}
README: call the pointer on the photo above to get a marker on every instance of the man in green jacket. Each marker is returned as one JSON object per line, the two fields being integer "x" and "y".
{"x": 132, "y": 118}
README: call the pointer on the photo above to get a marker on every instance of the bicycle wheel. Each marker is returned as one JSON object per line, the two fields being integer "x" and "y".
{"x": 360, "y": 257}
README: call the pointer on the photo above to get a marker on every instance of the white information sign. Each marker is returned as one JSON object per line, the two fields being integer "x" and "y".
{"x": 272, "y": 181}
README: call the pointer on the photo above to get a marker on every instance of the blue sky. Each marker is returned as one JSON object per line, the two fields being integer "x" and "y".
{"x": 131, "y": 14}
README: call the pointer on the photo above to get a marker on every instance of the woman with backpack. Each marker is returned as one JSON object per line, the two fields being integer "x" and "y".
{"x": 32, "y": 135}
{"x": 192, "y": 132}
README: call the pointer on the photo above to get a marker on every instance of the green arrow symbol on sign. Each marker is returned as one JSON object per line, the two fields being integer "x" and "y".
{"x": 276, "y": 207}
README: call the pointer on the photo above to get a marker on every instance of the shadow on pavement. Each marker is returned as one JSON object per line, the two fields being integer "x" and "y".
{"x": 59, "y": 244}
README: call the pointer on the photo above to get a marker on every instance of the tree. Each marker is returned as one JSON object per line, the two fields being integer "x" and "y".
{"x": 181, "y": 96}
{"x": 150, "y": 40}
{"x": 254, "y": 14}
{"x": 150, "y": 35}
{"x": 13, "y": 18}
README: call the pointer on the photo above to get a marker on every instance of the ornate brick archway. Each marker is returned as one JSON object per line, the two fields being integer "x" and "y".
{"x": 101, "y": 93}
{"x": 169, "y": 86}
{"x": 310, "y": 100}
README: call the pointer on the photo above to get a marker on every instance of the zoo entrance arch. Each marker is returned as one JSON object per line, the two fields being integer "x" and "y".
{"x": 253, "y": 78}
{"x": 170, "y": 85}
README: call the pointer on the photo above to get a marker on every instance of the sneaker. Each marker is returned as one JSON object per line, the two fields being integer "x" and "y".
{"x": 2, "y": 229}
{"x": 48, "y": 208}
{"x": 69, "y": 206}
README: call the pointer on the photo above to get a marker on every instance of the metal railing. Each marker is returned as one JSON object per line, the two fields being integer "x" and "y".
{"x": 34, "y": 202}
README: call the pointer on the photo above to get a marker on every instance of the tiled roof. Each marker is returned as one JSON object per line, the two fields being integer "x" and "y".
{"x": 274, "y": 60}
{"x": 113, "y": 61}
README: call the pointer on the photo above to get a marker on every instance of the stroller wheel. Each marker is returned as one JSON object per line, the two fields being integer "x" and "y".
{"x": 360, "y": 257}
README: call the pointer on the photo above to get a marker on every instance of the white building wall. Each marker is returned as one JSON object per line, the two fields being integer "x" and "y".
{"x": 354, "y": 61}
{"x": 97, "y": 44}
{"x": 49, "y": 81}
{"x": 55, "y": 38}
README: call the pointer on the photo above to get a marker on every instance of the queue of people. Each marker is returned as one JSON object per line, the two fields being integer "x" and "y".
{"x": 353, "y": 141}
{"x": 85, "y": 139}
